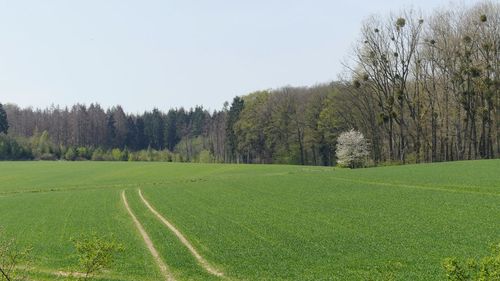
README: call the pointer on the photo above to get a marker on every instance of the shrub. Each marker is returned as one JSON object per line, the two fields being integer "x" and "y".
{"x": 455, "y": 271}
{"x": 41, "y": 144}
{"x": 352, "y": 149}
{"x": 116, "y": 153}
{"x": 11, "y": 258}
{"x": 484, "y": 269}
{"x": 125, "y": 154}
{"x": 95, "y": 253}
{"x": 70, "y": 154}
{"x": 48, "y": 157}
{"x": 98, "y": 155}
{"x": 164, "y": 156}
{"x": 11, "y": 149}
{"x": 176, "y": 157}
{"x": 150, "y": 155}
{"x": 84, "y": 153}
{"x": 206, "y": 157}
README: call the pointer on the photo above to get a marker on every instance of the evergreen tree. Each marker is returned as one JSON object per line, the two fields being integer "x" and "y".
{"x": 153, "y": 128}
{"x": 111, "y": 130}
{"x": 197, "y": 120}
{"x": 141, "y": 137}
{"x": 131, "y": 137}
{"x": 233, "y": 117}
{"x": 171, "y": 137}
{"x": 4, "y": 124}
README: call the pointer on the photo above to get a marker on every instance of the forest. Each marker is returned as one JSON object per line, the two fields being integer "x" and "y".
{"x": 421, "y": 88}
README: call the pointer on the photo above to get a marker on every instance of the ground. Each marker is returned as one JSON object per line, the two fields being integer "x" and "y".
{"x": 255, "y": 222}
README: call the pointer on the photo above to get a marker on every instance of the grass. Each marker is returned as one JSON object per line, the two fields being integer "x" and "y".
{"x": 47, "y": 221}
{"x": 257, "y": 222}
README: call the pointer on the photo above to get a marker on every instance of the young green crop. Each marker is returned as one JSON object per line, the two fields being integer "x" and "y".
{"x": 257, "y": 222}
{"x": 47, "y": 221}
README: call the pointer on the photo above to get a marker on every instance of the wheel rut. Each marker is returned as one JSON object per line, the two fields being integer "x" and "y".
{"x": 149, "y": 243}
{"x": 201, "y": 260}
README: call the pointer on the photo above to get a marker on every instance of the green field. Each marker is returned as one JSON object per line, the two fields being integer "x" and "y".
{"x": 256, "y": 222}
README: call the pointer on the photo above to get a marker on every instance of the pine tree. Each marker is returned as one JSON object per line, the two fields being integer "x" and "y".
{"x": 233, "y": 117}
{"x": 111, "y": 130}
{"x": 4, "y": 124}
{"x": 171, "y": 137}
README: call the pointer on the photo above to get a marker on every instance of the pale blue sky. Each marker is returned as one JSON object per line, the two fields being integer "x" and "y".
{"x": 144, "y": 54}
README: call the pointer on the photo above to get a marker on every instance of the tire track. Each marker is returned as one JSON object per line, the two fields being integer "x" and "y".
{"x": 451, "y": 189}
{"x": 147, "y": 240}
{"x": 201, "y": 260}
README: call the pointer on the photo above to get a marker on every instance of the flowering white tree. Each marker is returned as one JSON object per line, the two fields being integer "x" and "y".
{"x": 352, "y": 149}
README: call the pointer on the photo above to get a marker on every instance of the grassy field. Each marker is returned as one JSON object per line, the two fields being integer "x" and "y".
{"x": 256, "y": 222}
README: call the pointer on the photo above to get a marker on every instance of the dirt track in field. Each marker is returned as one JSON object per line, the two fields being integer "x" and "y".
{"x": 202, "y": 261}
{"x": 147, "y": 240}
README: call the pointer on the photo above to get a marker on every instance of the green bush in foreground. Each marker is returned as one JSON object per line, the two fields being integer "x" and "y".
{"x": 95, "y": 254}
{"x": 11, "y": 256}
{"x": 484, "y": 269}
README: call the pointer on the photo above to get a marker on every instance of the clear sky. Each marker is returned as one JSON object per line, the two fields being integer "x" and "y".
{"x": 143, "y": 53}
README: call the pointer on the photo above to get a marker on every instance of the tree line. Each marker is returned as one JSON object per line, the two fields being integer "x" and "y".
{"x": 419, "y": 88}
{"x": 428, "y": 89}
{"x": 239, "y": 133}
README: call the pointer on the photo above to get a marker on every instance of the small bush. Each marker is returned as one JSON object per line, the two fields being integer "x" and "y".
{"x": 95, "y": 254}
{"x": 84, "y": 153}
{"x": 98, "y": 155}
{"x": 70, "y": 154}
{"x": 206, "y": 157}
{"x": 483, "y": 269}
{"x": 12, "y": 149}
{"x": 13, "y": 260}
{"x": 48, "y": 157}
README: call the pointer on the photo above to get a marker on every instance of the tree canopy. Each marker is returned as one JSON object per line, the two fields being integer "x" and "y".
{"x": 419, "y": 88}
